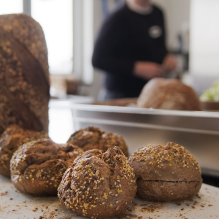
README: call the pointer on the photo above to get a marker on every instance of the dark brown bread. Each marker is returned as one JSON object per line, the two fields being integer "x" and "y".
{"x": 94, "y": 138}
{"x": 171, "y": 94}
{"x": 161, "y": 191}
{"x": 166, "y": 173}
{"x": 24, "y": 75}
{"x": 38, "y": 166}
{"x": 99, "y": 185}
{"x": 10, "y": 140}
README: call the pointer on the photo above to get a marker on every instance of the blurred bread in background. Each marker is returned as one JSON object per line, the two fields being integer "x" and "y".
{"x": 170, "y": 94}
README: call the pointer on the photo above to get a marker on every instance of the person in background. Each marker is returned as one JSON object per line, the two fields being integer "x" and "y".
{"x": 130, "y": 49}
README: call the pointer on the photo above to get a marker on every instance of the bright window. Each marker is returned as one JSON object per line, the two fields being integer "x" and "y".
{"x": 11, "y": 6}
{"x": 56, "y": 19}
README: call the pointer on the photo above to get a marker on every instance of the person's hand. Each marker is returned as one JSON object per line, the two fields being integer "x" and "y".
{"x": 169, "y": 63}
{"x": 148, "y": 70}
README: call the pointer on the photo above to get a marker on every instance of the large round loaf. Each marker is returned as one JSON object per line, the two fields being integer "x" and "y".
{"x": 24, "y": 75}
{"x": 171, "y": 94}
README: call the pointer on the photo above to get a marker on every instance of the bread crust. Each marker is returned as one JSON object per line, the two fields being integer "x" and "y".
{"x": 24, "y": 75}
{"x": 161, "y": 191}
{"x": 38, "y": 166}
{"x": 171, "y": 94}
{"x": 99, "y": 185}
{"x": 10, "y": 140}
{"x": 94, "y": 138}
{"x": 159, "y": 167}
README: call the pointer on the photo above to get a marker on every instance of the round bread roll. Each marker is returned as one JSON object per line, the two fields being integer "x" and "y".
{"x": 170, "y": 94}
{"x": 99, "y": 184}
{"x": 38, "y": 166}
{"x": 24, "y": 73}
{"x": 166, "y": 173}
{"x": 94, "y": 138}
{"x": 10, "y": 140}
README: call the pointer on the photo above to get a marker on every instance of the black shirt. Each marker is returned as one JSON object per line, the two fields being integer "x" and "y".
{"x": 127, "y": 37}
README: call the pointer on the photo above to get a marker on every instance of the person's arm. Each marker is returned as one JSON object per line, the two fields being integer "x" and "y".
{"x": 148, "y": 70}
{"x": 169, "y": 63}
{"x": 108, "y": 43}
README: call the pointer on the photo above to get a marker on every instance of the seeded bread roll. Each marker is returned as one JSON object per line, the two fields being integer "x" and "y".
{"x": 170, "y": 94}
{"x": 99, "y": 184}
{"x": 10, "y": 140}
{"x": 38, "y": 166}
{"x": 24, "y": 75}
{"x": 94, "y": 138}
{"x": 12, "y": 129}
{"x": 166, "y": 173}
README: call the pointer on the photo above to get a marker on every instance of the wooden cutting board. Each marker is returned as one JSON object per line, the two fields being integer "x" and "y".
{"x": 15, "y": 205}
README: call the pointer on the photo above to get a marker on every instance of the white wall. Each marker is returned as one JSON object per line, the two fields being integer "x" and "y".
{"x": 205, "y": 37}
{"x": 177, "y": 14}
{"x": 204, "y": 49}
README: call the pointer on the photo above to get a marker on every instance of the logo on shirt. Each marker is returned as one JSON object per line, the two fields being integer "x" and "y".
{"x": 155, "y": 31}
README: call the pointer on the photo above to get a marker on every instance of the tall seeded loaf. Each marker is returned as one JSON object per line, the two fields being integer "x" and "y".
{"x": 170, "y": 94}
{"x": 24, "y": 75}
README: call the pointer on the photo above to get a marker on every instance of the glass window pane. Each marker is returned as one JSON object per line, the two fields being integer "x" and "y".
{"x": 11, "y": 6}
{"x": 56, "y": 19}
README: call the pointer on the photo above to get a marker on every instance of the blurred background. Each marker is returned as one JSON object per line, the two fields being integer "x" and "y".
{"x": 71, "y": 27}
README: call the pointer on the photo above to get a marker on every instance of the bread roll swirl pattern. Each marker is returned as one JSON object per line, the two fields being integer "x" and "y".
{"x": 99, "y": 185}
{"x": 10, "y": 140}
{"x": 94, "y": 138}
{"x": 38, "y": 166}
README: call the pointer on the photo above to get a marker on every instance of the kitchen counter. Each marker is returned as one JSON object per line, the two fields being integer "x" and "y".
{"x": 15, "y": 205}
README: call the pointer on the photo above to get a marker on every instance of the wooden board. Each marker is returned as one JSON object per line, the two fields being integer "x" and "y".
{"x": 15, "y": 205}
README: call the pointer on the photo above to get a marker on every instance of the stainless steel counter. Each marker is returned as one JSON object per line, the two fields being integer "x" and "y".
{"x": 197, "y": 131}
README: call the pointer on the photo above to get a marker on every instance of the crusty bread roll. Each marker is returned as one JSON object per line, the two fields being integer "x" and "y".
{"x": 166, "y": 173}
{"x": 171, "y": 94}
{"x": 38, "y": 166}
{"x": 10, "y": 140}
{"x": 94, "y": 138}
{"x": 99, "y": 184}
{"x": 24, "y": 75}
